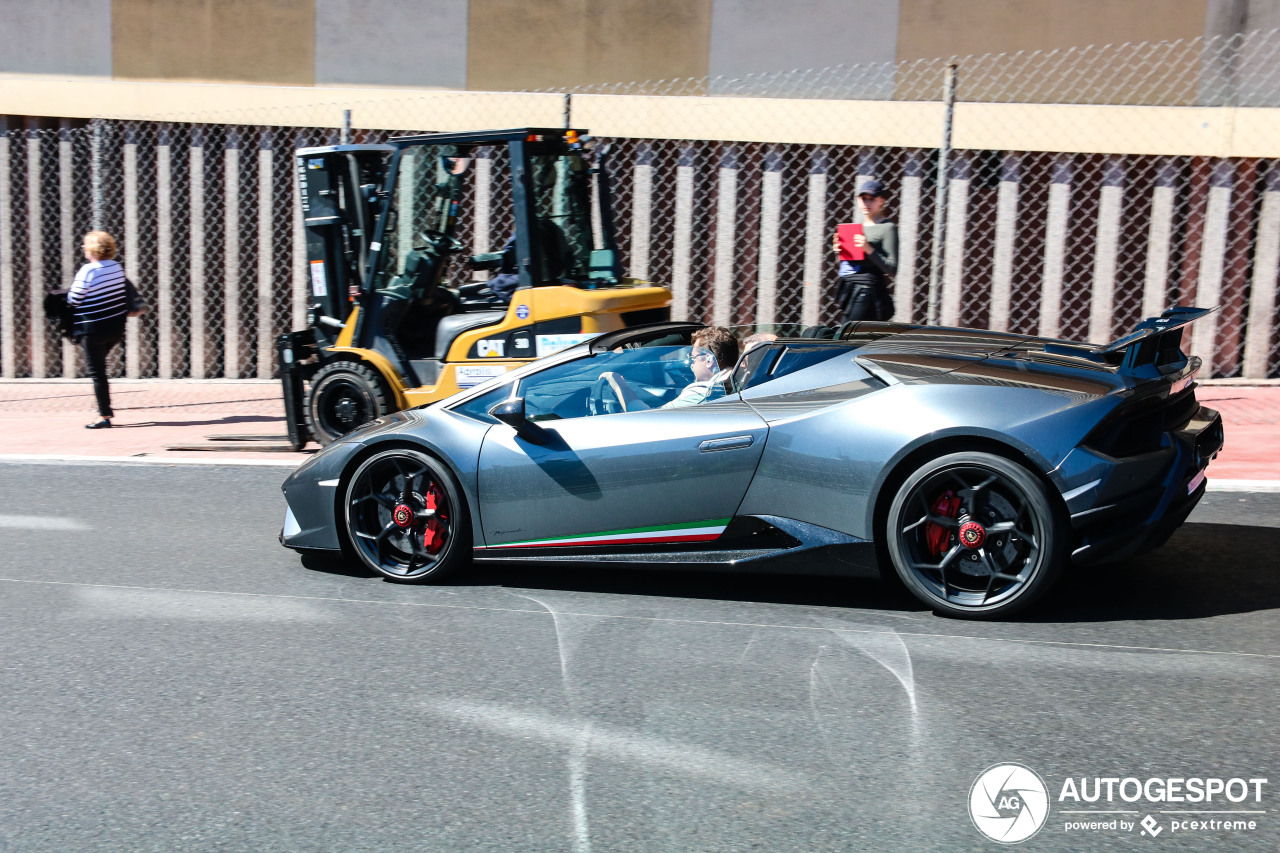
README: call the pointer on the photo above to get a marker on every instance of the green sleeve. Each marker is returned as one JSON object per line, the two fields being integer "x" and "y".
{"x": 885, "y": 240}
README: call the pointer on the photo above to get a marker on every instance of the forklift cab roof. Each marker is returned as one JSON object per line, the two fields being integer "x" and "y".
{"x": 490, "y": 137}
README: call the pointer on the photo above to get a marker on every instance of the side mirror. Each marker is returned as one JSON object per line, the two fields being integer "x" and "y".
{"x": 511, "y": 413}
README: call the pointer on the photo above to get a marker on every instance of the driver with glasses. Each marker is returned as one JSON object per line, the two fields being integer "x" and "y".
{"x": 713, "y": 346}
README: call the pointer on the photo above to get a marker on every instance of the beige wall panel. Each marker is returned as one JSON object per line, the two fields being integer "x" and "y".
{"x": 1252, "y": 133}
{"x": 939, "y": 28}
{"x": 389, "y": 109}
{"x": 1205, "y": 131}
{"x": 1202, "y": 131}
{"x": 893, "y": 123}
{"x": 254, "y": 41}
{"x": 517, "y": 44}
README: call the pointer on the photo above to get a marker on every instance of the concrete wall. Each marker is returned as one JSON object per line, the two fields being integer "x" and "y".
{"x": 391, "y": 43}
{"x": 62, "y": 37}
{"x": 519, "y": 44}
{"x": 749, "y": 36}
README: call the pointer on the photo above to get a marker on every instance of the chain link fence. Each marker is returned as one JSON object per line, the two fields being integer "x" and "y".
{"x": 1065, "y": 193}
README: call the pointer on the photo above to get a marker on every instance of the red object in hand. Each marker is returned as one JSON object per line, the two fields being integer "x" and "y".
{"x": 845, "y": 232}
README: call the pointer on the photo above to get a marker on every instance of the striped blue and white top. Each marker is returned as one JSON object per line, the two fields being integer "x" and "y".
{"x": 98, "y": 295}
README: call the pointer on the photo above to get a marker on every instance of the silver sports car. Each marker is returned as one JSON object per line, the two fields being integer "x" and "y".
{"x": 977, "y": 465}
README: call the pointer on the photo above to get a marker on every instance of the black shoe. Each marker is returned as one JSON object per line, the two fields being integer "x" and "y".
{"x": 102, "y": 424}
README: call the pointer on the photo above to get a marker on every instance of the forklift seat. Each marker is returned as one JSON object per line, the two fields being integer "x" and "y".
{"x": 448, "y": 329}
{"x": 409, "y": 307}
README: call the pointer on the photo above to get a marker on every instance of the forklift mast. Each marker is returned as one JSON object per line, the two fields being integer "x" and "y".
{"x": 341, "y": 186}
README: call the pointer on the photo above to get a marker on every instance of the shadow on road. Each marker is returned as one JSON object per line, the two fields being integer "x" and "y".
{"x": 230, "y": 419}
{"x": 694, "y": 584}
{"x": 333, "y": 564}
{"x": 1204, "y": 570}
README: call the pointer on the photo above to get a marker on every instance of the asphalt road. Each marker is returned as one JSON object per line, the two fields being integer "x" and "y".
{"x": 174, "y": 680}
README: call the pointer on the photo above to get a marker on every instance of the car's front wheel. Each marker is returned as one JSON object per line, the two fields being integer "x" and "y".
{"x": 975, "y": 535}
{"x": 405, "y": 517}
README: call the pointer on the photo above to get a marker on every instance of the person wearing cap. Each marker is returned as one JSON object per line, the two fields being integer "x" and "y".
{"x": 862, "y": 290}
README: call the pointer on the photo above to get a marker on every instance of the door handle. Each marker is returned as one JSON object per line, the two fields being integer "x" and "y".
{"x": 736, "y": 442}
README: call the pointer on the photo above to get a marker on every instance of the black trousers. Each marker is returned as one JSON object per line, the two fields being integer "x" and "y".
{"x": 863, "y": 296}
{"x": 97, "y": 346}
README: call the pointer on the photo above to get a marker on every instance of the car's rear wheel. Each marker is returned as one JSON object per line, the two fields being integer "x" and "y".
{"x": 405, "y": 517}
{"x": 975, "y": 535}
{"x": 343, "y": 396}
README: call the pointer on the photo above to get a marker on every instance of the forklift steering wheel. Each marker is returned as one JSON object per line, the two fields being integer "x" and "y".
{"x": 443, "y": 242}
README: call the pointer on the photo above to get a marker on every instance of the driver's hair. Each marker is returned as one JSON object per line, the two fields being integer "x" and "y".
{"x": 721, "y": 342}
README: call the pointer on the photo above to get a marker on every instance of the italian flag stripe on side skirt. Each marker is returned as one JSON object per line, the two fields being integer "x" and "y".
{"x": 697, "y": 531}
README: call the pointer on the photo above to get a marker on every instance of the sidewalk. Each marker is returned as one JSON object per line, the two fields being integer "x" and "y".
{"x": 47, "y": 417}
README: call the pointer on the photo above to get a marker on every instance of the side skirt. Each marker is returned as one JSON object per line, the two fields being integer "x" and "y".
{"x": 763, "y": 543}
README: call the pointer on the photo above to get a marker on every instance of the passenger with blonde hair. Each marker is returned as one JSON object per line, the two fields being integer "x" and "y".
{"x": 101, "y": 307}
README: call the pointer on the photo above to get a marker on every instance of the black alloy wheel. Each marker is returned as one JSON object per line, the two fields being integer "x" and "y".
{"x": 344, "y": 396}
{"x": 405, "y": 517}
{"x": 975, "y": 535}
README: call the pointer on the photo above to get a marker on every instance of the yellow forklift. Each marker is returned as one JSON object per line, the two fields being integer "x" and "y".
{"x": 401, "y": 314}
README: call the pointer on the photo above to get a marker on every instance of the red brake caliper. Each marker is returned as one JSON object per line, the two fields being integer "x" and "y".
{"x": 937, "y": 538}
{"x": 433, "y": 535}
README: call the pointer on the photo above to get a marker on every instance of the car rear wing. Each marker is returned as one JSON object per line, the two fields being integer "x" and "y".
{"x": 1152, "y": 349}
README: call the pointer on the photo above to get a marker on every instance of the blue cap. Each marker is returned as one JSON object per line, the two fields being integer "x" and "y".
{"x": 871, "y": 187}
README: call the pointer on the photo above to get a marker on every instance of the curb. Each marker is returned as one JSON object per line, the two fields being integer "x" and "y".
{"x": 1270, "y": 486}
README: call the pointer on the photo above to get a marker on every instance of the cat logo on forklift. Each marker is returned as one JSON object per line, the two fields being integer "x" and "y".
{"x": 491, "y": 349}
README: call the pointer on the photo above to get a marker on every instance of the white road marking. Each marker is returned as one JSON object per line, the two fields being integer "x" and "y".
{"x": 178, "y": 605}
{"x": 40, "y": 522}
{"x": 620, "y": 744}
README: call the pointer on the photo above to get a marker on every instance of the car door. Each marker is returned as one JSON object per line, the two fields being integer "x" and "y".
{"x": 646, "y": 477}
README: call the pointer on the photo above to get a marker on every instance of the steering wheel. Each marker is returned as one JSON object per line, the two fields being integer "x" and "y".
{"x": 605, "y": 398}
{"x": 443, "y": 242}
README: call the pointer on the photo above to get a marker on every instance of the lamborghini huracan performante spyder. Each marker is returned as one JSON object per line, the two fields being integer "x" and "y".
{"x": 977, "y": 466}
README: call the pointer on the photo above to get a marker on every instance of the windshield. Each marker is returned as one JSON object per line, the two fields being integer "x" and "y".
{"x": 562, "y": 207}
{"x": 431, "y": 206}
{"x": 451, "y": 201}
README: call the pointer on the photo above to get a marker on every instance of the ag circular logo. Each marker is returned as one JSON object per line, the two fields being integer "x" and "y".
{"x": 1008, "y": 803}
{"x": 522, "y": 311}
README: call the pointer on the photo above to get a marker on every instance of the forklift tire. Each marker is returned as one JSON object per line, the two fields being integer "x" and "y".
{"x": 342, "y": 397}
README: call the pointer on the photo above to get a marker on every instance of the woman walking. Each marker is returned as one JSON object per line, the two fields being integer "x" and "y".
{"x": 100, "y": 304}
{"x": 861, "y": 290}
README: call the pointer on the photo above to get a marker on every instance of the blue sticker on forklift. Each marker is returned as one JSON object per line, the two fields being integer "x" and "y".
{"x": 547, "y": 344}
{"x": 522, "y": 311}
